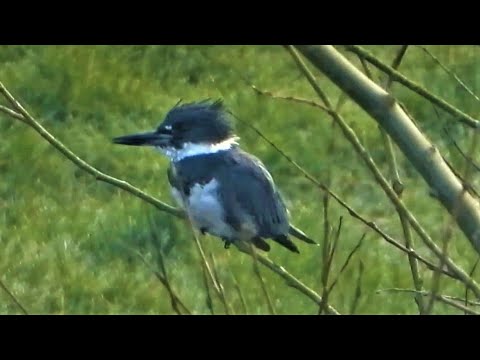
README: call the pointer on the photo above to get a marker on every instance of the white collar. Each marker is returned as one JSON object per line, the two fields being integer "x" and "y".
{"x": 194, "y": 149}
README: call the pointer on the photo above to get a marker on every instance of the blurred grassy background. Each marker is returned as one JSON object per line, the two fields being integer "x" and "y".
{"x": 66, "y": 240}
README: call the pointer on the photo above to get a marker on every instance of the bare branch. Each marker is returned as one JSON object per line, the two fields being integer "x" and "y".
{"x": 398, "y": 77}
{"x": 471, "y": 275}
{"x": 358, "y": 289}
{"x": 450, "y": 72}
{"x": 223, "y": 298}
{"x": 449, "y": 300}
{"x": 396, "y": 63}
{"x": 329, "y": 248}
{"x": 398, "y": 187}
{"x": 347, "y": 261}
{"x": 240, "y": 294}
{"x": 291, "y": 98}
{"x": 256, "y": 270}
{"x": 350, "y": 210}
{"x": 13, "y": 298}
{"x": 163, "y": 275}
{"x": 426, "y": 158}
{"x": 174, "y": 299}
{"x": 208, "y": 299}
{"x": 459, "y": 149}
{"x": 449, "y": 223}
{"x": 289, "y": 278}
{"x": 12, "y": 113}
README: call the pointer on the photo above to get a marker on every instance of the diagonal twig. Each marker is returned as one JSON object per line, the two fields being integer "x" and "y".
{"x": 398, "y": 77}
{"x": 471, "y": 274}
{"x": 449, "y": 300}
{"x": 13, "y": 298}
{"x": 350, "y": 210}
{"x": 358, "y": 289}
{"x": 347, "y": 261}
{"x": 223, "y": 298}
{"x": 174, "y": 299}
{"x": 449, "y": 72}
{"x": 331, "y": 56}
{"x": 258, "y": 274}
{"x": 240, "y": 294}
{"x": 397, "y": 184}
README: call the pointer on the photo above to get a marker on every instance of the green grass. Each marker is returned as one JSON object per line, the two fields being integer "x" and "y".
{"x": 67, "y": 241}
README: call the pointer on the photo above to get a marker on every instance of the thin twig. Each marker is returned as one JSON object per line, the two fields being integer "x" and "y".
{"x": 165, "y": 278}
{"x": 12, "y": 113}
{"x": 449, "y": 300}
{"x": 449, "y": 224}
{"x": 330, "y": 250}
{"x": 471, "y": 275}
{"x": 208, "y": 298}
{"x": 398, "y": 77}
{"x": 335, "y": 242}
{"x": 358, "y": 289}
{"x": 450, "y": 72}
{"x": 240, "y": 294}
{"x": 447, "y": 235}
{"x": 204, "y": 261}
{"x": 289, "y": 278}
{"x": 326, "y": 238}
{"x": 396, "y": 63}
{"x": 291, "y": 98}
{"x": 426, "y": 293}
{"x": 205, "y": 265}
{"x": 174, "y": 299}
{"x": 223, "y": 298}
{"x": 398, "y": 187}
{"x": 351, "y": 136}
{"x": 350, "y": 210}
{"x": 30, "y": 121}
{"x": 477, "y": 167}
{"x": 347, "y": 261}
{"x": 416, "y": 277}
{"x": 465, "y": 184}
{"x": 256, "y": 270}
{"x": 13, "y": 298}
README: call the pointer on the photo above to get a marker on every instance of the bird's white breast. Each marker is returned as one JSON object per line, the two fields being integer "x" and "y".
{"x": 205, "y": 209}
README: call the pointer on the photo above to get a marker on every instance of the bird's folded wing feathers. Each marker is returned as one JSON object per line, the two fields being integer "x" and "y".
{"x": 249, "y": 190}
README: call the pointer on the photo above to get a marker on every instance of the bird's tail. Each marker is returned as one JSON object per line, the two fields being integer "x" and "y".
{"x": 299, "y": 234}
{"x": 286, "y": 242}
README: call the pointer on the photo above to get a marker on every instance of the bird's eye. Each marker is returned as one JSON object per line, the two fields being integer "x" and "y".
{"x": 165, "y": 130}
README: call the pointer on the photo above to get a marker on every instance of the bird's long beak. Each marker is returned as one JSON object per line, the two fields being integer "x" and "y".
{"x": 144, "y": 139}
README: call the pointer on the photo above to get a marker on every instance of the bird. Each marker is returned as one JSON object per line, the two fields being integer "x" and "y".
{"x": 225, "y": 191}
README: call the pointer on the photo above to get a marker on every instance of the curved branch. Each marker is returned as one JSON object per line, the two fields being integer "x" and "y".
{"x": 82, "y": 164}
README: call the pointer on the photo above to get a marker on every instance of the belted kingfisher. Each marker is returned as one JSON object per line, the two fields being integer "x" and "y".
{"x": 225, "y": 191}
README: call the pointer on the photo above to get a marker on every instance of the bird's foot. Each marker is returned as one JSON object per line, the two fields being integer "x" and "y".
{"x": 227, "y": 243}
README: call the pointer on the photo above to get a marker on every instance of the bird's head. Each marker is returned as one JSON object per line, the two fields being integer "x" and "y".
{"x": 188, "y": 130}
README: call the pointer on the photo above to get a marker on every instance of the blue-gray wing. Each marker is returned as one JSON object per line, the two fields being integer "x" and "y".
{"x": 249, "y": 194}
